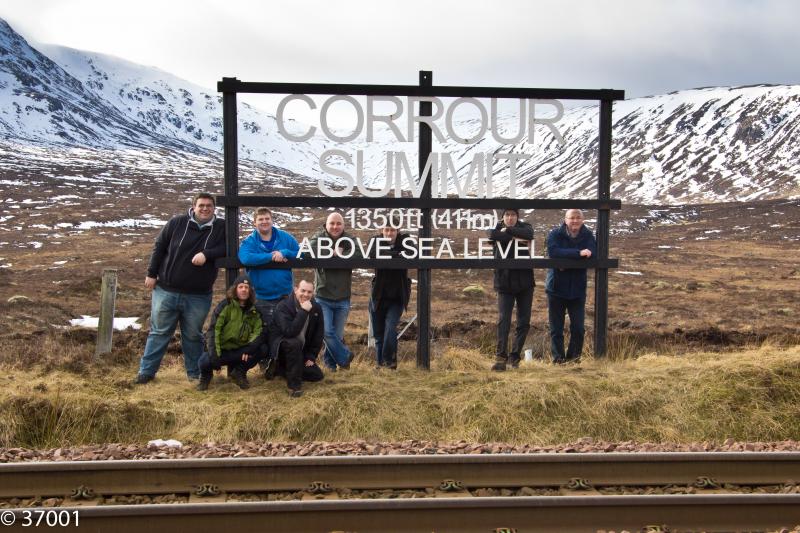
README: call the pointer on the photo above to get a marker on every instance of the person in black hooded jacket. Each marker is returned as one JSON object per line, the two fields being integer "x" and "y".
{"x": 512, "y": 286}
{"x": 181, "y": 275}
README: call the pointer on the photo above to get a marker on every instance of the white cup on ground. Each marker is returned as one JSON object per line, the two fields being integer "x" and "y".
{"x": 528, "y": 355}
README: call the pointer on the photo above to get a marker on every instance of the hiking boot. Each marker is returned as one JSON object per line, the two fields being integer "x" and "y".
{"x": 239, "y": 377}
{"x": 499, "y": 366}
{"x": 295, "y": 393}
{"x": 513, "y": 362}
{"x": 270, "y": 366}
{"x": 141, "y": 379}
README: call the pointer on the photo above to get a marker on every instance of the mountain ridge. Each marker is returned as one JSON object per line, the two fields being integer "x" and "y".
{"x": 697, "y": 145}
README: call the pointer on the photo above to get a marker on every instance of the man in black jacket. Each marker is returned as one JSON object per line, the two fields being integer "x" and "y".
{"x": 512, "y": 285}
{"x": 181, "y": 275}
{"x": 391, "y": 291}
{"x": 296, "y": 332}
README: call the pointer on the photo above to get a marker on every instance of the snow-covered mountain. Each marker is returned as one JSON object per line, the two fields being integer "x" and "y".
{"x": 713, "y": 144}
{"x": 40, "y": 101}
{"x": 177, "y": 109}
{"x": 710, "y": 144}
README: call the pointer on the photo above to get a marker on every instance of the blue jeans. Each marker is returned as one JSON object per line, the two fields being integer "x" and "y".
{"x": 575, "y": 308}
{"x": 166, "y": 311}
{"x": 334, "y": 313}
{"x": 384, "y": 329}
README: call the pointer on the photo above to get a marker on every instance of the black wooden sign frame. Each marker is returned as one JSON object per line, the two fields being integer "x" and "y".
{"x": 232, "y": 201}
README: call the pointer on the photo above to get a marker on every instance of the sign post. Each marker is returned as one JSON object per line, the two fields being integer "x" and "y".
{"x": 431, "y": 191}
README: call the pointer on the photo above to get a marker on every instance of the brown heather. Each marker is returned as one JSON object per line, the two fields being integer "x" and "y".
{"x": 746, "y": 395}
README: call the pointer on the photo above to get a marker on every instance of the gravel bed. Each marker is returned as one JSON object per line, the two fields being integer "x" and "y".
{"x": 102, "y": 452}
{"x": 344, "y": 493}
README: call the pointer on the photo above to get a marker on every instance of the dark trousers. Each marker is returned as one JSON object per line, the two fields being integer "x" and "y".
{"x": 575, "y": 308}
{"x": 266, "y": 308}
{"x": 292, "y": 365}
{"x": 385, "y": 318}
{"x": 232, "y": 359}
{"x": 505, "y": 304}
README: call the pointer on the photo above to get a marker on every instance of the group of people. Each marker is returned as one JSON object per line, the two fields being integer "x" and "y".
{"x": 267, "y": 320}
{"x": 565, "y": 287}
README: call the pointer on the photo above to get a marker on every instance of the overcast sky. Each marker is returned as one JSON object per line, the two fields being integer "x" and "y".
{"x": 642, "y": 46}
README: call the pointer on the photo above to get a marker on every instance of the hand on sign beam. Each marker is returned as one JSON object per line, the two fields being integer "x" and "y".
{"x": 278, "y": 257}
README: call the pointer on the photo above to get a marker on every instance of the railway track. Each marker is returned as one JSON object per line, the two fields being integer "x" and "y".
{"x": 441, "y": 493}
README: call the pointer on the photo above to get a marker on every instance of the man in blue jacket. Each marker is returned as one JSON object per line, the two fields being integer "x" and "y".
{"x": 566, "y": 287}
{"x": 265, "y": 245}
{"x": 181, "y": 275}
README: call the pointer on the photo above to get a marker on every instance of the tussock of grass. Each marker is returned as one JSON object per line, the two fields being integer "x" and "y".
{"x": 749, "y": 395}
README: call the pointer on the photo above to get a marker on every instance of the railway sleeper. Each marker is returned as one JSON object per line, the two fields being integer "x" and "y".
{"x": 70, "y": 502}
{"x": 578, "y": 487}
{"x": 451, "y": 488}
{"x": 207, "y": 493}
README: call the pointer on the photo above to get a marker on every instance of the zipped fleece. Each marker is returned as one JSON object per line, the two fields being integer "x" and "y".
{"x": 180, "y": 239}
{"x": 269, "y": 284}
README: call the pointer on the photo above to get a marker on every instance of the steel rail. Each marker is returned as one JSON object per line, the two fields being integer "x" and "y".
{"x": 45, "y": 479}
{"x": 522, "y": 514}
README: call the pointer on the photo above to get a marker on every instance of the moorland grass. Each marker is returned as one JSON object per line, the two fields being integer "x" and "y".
{"x": 749, "y": 395}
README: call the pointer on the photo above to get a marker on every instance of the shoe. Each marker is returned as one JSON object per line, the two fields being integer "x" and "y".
{"x": 295, "y": 393}
{"x": 350, "y": 358}
{"x": 141, "y": 379}
{"x": 240, "y": 378}
{"x": 270, "y": 366}
{"x": 514, "y": 362}
{"x": 204, "y": 382}
{"x": 499, "y": 366}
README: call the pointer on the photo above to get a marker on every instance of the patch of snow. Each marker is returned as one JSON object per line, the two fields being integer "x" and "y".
{"x": 120, "y": 323}
{"x": 169, "y": 443}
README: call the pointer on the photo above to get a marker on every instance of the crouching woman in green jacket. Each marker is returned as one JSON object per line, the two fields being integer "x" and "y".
{"x": 235, "y": 337}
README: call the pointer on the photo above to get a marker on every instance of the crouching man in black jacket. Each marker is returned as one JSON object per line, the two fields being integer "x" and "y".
{"x": 296, "y": 332}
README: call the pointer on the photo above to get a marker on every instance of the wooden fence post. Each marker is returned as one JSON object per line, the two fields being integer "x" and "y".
{"x": 105, "y": 325}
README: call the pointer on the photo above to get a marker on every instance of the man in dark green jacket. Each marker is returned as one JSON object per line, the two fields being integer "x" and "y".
{"x": 236, "y": 336}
